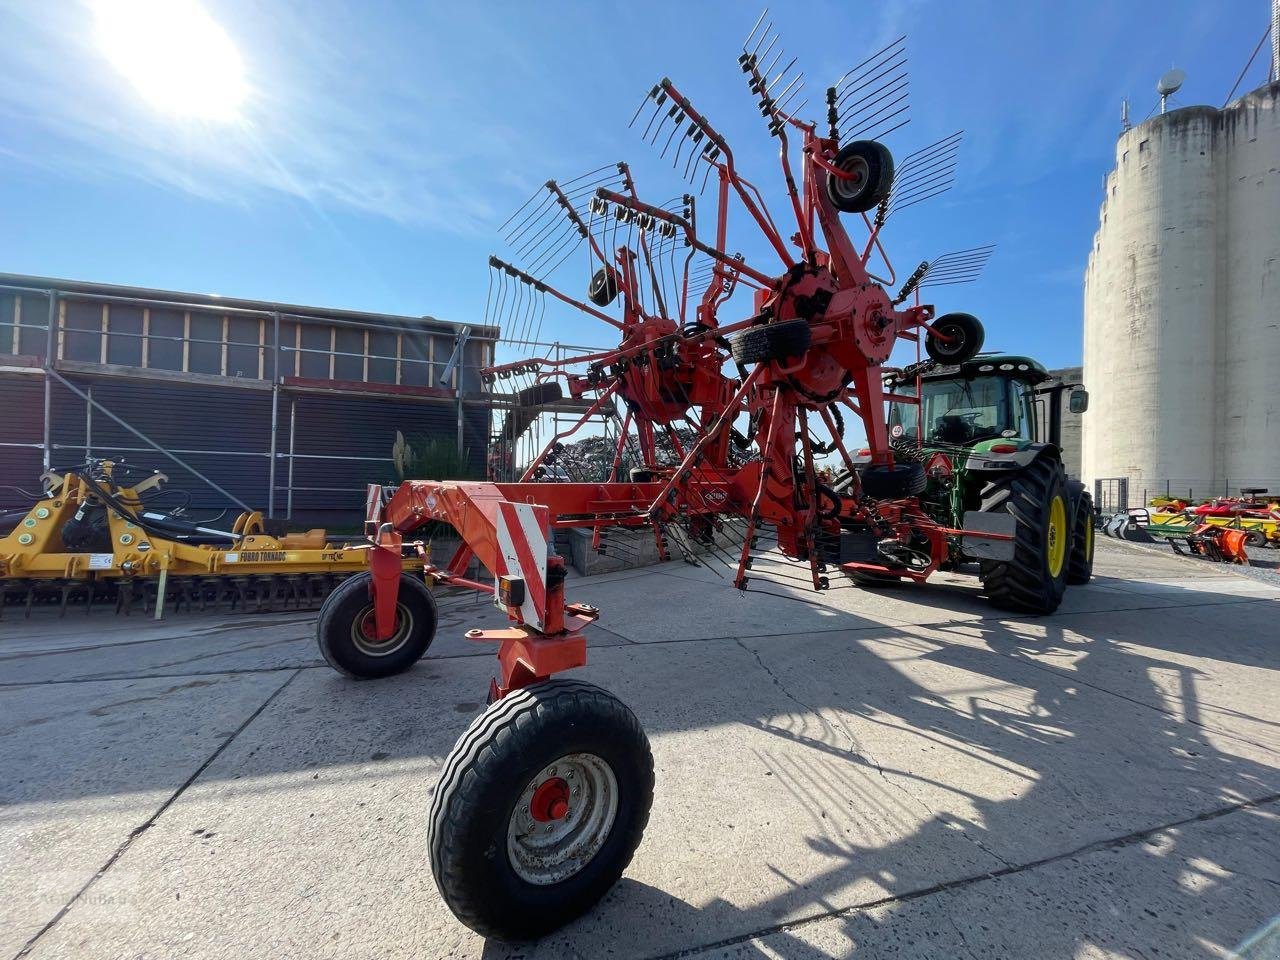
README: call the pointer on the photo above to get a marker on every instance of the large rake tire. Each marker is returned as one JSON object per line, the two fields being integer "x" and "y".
{"x": 871, "y": 164}
{"x": 346, "y": 634}
{"x": 539, "y": 809}
{"x": 894, "y": 482}
{"x": 964, "y": 333}
{"x": 773, "y": 341}
{"x": 1034, "y": 580}
{"x": 1080, "y": 561}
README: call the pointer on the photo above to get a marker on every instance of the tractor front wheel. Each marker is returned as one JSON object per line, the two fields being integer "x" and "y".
{"x": 349, "y": 641}
{"x": 1080, "y": 562}
{"x": 1035, "y": 579}
{"x": 539, "y": 809}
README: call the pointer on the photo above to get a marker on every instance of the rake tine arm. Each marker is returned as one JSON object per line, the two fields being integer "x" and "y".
{"x": 682, "y": 224}
{"x": 575, "y": 219}
{"x": 763, "y": 220}
{"x": 547, "y": 288}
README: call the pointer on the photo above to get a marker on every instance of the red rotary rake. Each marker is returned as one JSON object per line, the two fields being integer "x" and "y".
{"x": 543, "y": 801}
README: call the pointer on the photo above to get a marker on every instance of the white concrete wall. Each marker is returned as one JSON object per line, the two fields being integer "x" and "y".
{"x": 1249, "y": 372}
{"x": 1182, "y": 348}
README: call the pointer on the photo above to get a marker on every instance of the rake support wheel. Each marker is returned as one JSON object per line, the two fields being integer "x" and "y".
{"x": 773, "y": 341}
{"x": 539, "y": 809}
{"x": 1035, "y": 579}
{"x": 965, "y": 336}
{"x": 871, "y": 165}
{"x": 539, "y": 394}
{"x": 345, "y": 628}
{"x": 893, "y": 482}
{"x": 603, "y": 289}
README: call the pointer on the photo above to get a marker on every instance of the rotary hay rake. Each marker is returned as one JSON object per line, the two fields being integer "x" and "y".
{"x": 543, "y": 801}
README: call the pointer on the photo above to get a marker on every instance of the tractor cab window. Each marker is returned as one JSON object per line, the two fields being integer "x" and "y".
{"x": 962, "y": 412}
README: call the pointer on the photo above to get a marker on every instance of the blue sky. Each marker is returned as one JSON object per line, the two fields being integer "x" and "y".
{"x": 382, "y": 144}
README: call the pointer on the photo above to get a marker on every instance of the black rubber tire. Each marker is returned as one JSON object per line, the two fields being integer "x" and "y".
{"x": 350, "y": 603}
{"x": 603, "y": 289}
{"x": 1026, "y": 584}
{"x": 893, "y": 483}
{"x": 539, "y": 394}
{"x": 641, "y": 475}
{"x": 865, "y": 578}
{"x": 1080, "y": 559}
{"x": 876, "y": 164}
{"x": 1255, "y": 538}
{"x": 485, "y": 775}
{"x": 773, "y": 341}
{"x": 969, "y": 334}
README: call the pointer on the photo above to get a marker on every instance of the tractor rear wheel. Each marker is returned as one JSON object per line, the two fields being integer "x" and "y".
{"x": 1080, "y": 561}
{"x": 1035, "y": 579}
{"x": 348, "y": 641}
{"x": 539, "y": 809}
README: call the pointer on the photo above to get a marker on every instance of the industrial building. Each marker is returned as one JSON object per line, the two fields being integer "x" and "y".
{"x": 1182, "y": 304}
{"x": 288, "y": 409}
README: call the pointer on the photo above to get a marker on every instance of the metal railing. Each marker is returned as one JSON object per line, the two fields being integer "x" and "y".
{"x": 54, "y": 330}
{"x": 1116, "y": 494}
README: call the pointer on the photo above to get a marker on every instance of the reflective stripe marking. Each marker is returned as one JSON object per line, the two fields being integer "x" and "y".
{"x": 522, "y": 551}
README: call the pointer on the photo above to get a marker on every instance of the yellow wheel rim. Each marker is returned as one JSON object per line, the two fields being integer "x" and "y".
{"x": 1057, "y": 535}
{"x": 1088, "y": 539}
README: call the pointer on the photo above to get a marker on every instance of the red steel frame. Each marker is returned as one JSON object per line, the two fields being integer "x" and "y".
{"x": 665, "y": 372}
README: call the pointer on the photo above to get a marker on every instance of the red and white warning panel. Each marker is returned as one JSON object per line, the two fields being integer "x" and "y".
{"x": 522, "y": 552}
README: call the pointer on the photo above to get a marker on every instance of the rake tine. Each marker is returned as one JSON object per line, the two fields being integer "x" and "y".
{"x": 877, "y": 54}
{"x": 759, "y": 20}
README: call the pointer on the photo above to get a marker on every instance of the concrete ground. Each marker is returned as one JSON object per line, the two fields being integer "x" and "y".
{"x": 901, "y": 773}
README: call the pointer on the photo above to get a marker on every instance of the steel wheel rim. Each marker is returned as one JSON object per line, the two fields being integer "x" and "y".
{"x": 367, "y": 644}
{"x": 852, "y": 189}
{"x": 957, "y": 342}
{"x": 543, "y": 852}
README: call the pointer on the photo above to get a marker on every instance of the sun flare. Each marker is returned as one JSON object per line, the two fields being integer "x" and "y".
{"x": 176, "y": 56}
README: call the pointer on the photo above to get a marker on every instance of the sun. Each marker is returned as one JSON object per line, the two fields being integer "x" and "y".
{"x": 178, "y": 57}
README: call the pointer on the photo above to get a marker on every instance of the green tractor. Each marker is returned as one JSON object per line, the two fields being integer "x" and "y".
{"x": 987, "y": 433}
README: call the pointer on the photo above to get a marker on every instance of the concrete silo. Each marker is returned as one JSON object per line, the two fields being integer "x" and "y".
{"x": 1182, "y": 304}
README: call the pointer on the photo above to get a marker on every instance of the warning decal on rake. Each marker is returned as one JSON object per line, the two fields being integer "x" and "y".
{"x": 522, "y": 552}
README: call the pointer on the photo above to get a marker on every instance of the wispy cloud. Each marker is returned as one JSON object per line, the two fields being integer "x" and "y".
{"x": 325, "y": 122}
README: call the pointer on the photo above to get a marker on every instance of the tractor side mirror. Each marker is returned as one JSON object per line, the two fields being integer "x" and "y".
{"x": 1078, "y": 402}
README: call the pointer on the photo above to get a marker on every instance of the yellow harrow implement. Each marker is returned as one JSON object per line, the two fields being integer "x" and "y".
{"x": 96, "y": 536}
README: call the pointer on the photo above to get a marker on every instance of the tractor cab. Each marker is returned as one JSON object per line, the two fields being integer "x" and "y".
{"x": 989, "y": 398}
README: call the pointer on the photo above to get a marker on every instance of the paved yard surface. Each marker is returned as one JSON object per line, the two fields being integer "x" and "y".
{"x": 902, "y": 773}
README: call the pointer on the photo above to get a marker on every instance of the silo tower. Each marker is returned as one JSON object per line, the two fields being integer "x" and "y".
{"x": 1182, "y": 302}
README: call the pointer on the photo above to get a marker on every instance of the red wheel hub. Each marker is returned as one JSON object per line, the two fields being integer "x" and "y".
{"x": 550, "y": 801}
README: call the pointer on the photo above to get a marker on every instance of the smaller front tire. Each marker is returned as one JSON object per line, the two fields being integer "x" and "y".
{"x": 539, "y": 809}
{"x": 348, "y": 640}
